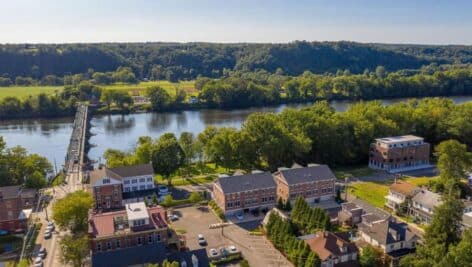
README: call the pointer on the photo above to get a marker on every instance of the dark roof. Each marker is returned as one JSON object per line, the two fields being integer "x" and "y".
{"x": 135, "y": 170}
{"x": 307, "y": 174}
{"x": 327, "y": 244}
{"x": 240, "y": 183}
{"x": 10, "y": 191}
{"x": 28, "y": 193}
{"x": 387, "y": 231}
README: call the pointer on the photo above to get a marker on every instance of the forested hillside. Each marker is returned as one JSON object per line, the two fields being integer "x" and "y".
{"x": 178, "y": 61}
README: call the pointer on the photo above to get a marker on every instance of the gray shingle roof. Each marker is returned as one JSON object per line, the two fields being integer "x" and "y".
{"x": 427, "y": 198}
{"x": 10, "y": 191}
{"x": 135, "y": 170}
{"x": 240, "y": 183}
{"x": 308, "y": 174}
{"x": 387, "y": 231}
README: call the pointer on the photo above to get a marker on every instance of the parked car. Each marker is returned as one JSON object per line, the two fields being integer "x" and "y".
{"x": 213, "y": 253}
{"x": 163, "y": 190}
{"x": 232, "y": 250}
{"x": 173, "y": 217}
{"x": 201, "y": 240}
{"x": 47, "y": 234}
{"x": 42, "y": 252}
{"x": 50, "y": 227}
{"x": 38, "y": 262}
{"x": 224, "y": 252}
{"x": 240, "y": 216}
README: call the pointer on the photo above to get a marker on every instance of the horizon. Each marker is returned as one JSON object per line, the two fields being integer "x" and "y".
{"x": 211, "y": 21}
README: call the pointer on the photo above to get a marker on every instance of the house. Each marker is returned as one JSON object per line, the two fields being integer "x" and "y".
{"x": 244, "y": 193}
{"x": 110, "y": 186}
{"x": 193, "y": 100}
{"x": 315, "y": 183}
{"x": 350, "y": 214}
{"x": 423, "y": 205}
{"x": 135, "y": 225}
{"x": 398, "y": 193}
{"x": 399, "y": 153}
{"x": 390, "y": 236}
{"x": 16, "y": 206}
{"x": 333, "y": 249}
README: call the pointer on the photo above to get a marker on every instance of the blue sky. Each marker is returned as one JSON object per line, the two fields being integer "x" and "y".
{"x": 395, "y": 21}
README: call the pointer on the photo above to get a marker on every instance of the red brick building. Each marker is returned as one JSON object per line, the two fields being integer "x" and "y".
{"x": 106, "y": 189}
{"x": 16, "y": 205}
{"x": 135, "y": 225}
{"x": 315, "y": 183}
{"x": 244, "y": 193}
{"x": 399, "y": 153}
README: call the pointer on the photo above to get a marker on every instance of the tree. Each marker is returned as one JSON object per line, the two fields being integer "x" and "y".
{"x": 380, "y": 72}
{"x": 71, "y": 212}
{"x": 453, "y": 162}
{"x": 167, "y": 156}
{"x": 143, "y": 151}
{"x": 159, "y": 97}
{"x": 460, "y": 255}
{"x": 195, "y": 197}
{"x": 75, "y": 250}
{"x": 368, "y": 257}
{"x": 36, "y": 180}
{"x": 187, "y": 143}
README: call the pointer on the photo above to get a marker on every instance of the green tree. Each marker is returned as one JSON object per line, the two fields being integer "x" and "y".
{"x": 368, "y": 257}
{"x": 159, "y": 97}
{"x": 195, "y": 197}
{"x": 167, "y": 156}
{"x": 75, "y": 250}
{"x": 453, "y": 162}
{"x": 36, "y": 180}
{"x": 71, "y": 212}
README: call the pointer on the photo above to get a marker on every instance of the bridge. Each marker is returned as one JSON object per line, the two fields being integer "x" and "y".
{"x": 75, "y": 157}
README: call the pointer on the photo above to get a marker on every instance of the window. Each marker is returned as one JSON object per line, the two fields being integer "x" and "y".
{"x": 118, "y": 243}
{"x": 229, "y": 204}
{"x": 106, "y": 181}
{"x": 149, "y": 179}
{"x": 126, "y": 182}
{"x": 142, "y": 180}
{"x": 142, "y": 187}
{"x": 108, "y": 245}
{"x": 99, "y": 246}
{"x": 150, "y": 239}
{"x": 134, "y": 181}
{"x": 135, "y": 188}
{"x": 150, "y": 186}
{"x": 127, "y": 189}
{"x": 140, "y": 240}
{"x": 158, "y": 237}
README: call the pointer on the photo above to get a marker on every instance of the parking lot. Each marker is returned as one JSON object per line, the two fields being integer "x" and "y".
{"x": 256, "y": 249}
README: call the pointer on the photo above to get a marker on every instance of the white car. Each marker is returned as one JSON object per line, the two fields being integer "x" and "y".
{"x": 213, "y": 253}
{"x": 232, "y": 249}
{"x": 173, "y": 217}
{"x": 38, "y": 261}
{"x": 42, "y": 252}
{"x": 47, "y": 234}
{"x": 201, "y": 240}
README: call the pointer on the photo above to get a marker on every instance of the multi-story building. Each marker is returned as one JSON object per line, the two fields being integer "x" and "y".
{"x": 243, "y": 193}
{"x": 333, "y": 249}
{"x": 387, "y": 234}
{"x": 315, "y": 183}
{"x": 399, "y": 153}
{"x": 398, "y": 193}
{"x": 135, "y": 225}
{"x": 109, "y": 184}
{"x": 16, "y": 205}
{"x": 423, "y": 204}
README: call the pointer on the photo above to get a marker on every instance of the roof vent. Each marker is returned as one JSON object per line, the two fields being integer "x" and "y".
{"x": 313, "y": 164}
{"x": 256, "y": 171}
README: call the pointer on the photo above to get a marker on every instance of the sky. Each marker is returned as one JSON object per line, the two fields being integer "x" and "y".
{"x": 383, "y": 21}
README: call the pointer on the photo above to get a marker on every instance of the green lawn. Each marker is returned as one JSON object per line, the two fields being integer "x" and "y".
{"x": 25, "y": 91}
{"x": 355, "y": 171}
{"x": 195, "y": 176}
{"x": 139, "y": 88}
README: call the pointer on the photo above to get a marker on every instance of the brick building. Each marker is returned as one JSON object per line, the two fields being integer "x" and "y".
{"x": 135, "y": 225}
{"x": 399, "y": 153}
{"x": 16, "y": 205}
{"x": 243, "y": 193}
{"x": 315, "y": 183}
{"x": 108, "y": 185}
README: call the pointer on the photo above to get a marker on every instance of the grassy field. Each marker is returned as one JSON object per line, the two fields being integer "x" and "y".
{"x": 197, "y": 176}
{"x": 134, "y": 89}
{"x": 356, "y": 171}
{"x": 375, "y": 192}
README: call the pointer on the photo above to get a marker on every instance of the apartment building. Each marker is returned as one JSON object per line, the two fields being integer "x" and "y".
{"x": 399, "y": 153}
{"x": 315, "y": 183}
{"x": 398, "y": 193}
{"x": 135, "y": 225}
{"x": 109, "y": 185}
{"x": 243, "y": 193}
{"x": 16, "y": 206}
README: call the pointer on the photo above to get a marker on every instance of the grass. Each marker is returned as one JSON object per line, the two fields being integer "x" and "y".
{"x": 195, "y": 175}
{"x": 133, "y": 89}
{"x": 420, "y": 181}
{"x": 356, "y": 171}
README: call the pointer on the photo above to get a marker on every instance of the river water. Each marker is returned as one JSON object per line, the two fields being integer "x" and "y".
{"x": 49, "y": 137}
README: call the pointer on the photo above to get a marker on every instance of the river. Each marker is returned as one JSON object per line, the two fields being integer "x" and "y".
{"x": 49, "y": 137}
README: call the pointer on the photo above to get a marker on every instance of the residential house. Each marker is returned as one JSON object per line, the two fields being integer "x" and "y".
{"x": 392, "y": 237}
{"x": 350, "y": 214}
{"x": 243, "y": 193}
{"x": 315, "y": 183}
{"x": 398, "y": 193}
{"x": 399, "y": 153}
{"x": 135, "y": 225}
{"x": 423, "y": 204}
{"x": 16, "y": 206}
{"x": 110, "y": 186}
{"x": 333, "y": 249}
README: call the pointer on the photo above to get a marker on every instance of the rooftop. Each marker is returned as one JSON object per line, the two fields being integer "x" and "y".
{"x": 404, "y": 188}
{"x": 8, "y": 192}
{"x": 388, "y": 231}
{"x": 327, "y": 244}
{"x": 241, "y": 183}
{"x": 136, "y": 211}
{"x": 307, "y": 174}
{"x": 398, "y": 139}
{"x": 135, "y": 170}
{"x": 427, "y": 198}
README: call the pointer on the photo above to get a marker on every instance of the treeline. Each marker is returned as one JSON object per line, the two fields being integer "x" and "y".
{"x": 241, "y": 89}
{"x": 179, "y": 61}
{"x": 313, "y": 134}
{"x": 308, "y": 219}
{"x": 282, "y": 235}
{"x": 17, "y": 167}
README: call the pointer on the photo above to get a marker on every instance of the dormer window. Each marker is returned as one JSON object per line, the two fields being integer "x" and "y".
{"x": 106, "y": 181}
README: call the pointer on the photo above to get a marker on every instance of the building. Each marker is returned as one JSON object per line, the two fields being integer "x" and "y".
{"x": 350, "y": 214}
{"x": 399, "y": 153}
{"x": 398, "y": 193}
{"x": 423, "y": 205}
{"x": 109, "y": 185}
{"x": 16, "y": 206}
{"x": 387, "y": 234}
{"x": 135, "y": 225}
{"x": 243, "y": 193}
{"x": 315, "y": 183}
{"x": 333, "y": 249}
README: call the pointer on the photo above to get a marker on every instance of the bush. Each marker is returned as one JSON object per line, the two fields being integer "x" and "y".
{"x": 217, "y": 210}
